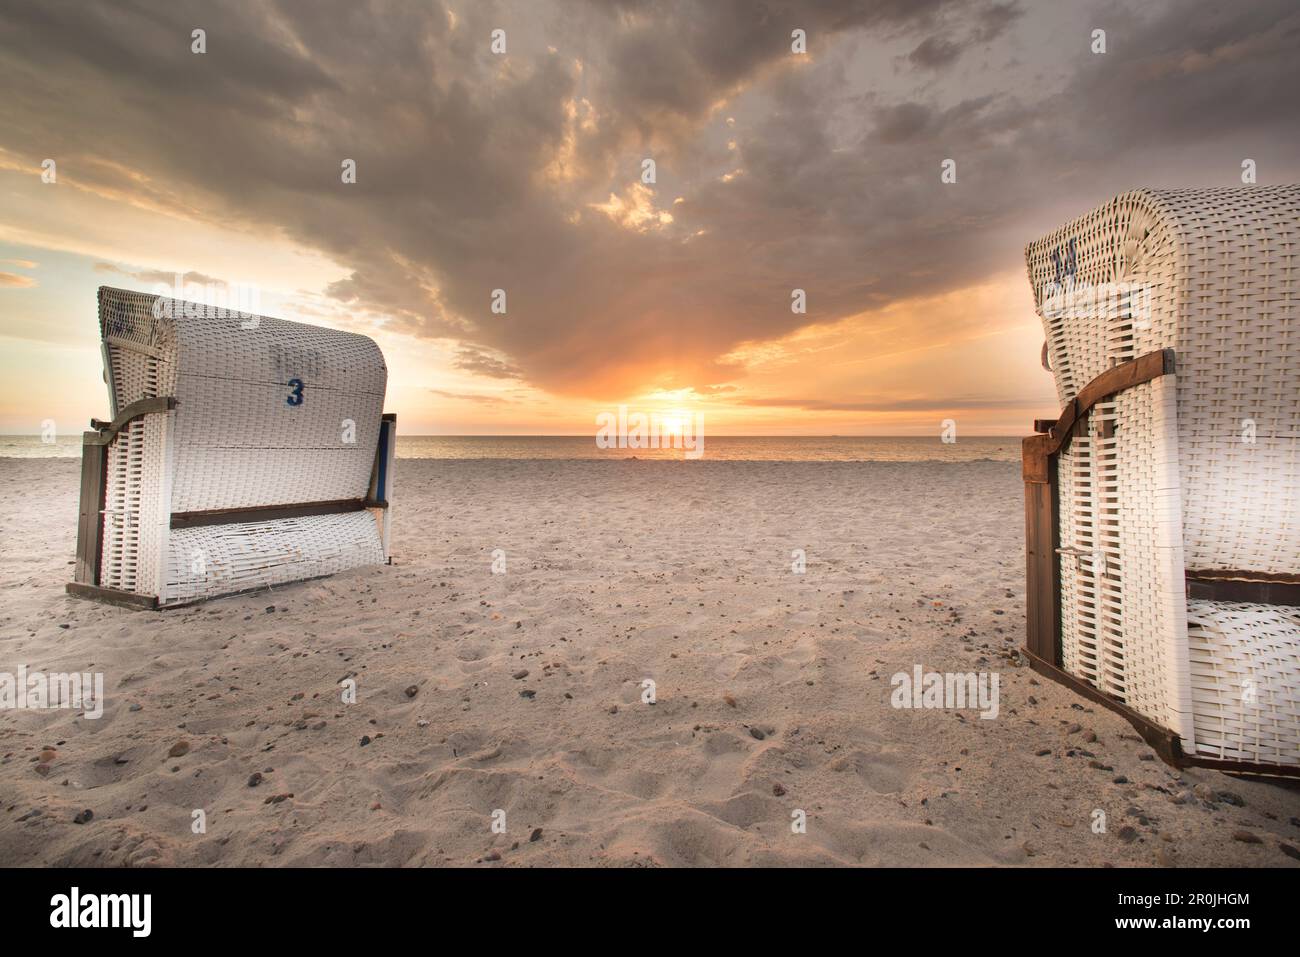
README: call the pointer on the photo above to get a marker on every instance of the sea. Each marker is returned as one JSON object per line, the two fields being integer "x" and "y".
{"x": 725, "y": 448}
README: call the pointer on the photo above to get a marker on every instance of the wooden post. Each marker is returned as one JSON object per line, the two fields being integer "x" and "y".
{"x": 1042, "y": 538}
{"x": 90, "y": 518}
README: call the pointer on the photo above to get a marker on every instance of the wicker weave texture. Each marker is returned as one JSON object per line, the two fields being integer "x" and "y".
{"x": 1214, "y": 274}
{"x": 1122, "y": 599}
{"x": 1245, "y": 662}
{"x": 269, "y": 412}
{"x": 1140, "y": 519}
{"x": 218, "y": 559}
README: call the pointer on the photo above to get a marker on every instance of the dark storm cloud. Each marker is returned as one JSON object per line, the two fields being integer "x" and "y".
{"x": 481, "y": 363}
{"x": 993, "y": 19}
{"x": 934, "y": 52}
{"x": 987, "y": 23}
{"x": 478, "y": 172}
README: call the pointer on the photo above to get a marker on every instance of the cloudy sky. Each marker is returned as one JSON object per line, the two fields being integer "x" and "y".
{"x": 522, "y": 171}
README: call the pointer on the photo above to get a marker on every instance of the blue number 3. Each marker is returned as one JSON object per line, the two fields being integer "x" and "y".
{"x": 295, "y": 397}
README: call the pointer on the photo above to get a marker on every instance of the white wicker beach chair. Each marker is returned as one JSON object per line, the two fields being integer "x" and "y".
{"x": 244, "y": 451}
{"x": 1163, "y": 505}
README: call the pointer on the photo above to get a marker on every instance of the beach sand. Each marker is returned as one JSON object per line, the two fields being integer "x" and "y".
{"x": 522, "y": 691}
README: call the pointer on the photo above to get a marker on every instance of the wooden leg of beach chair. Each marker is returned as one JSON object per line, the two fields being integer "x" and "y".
{"x": 1042, "y": 595}
{"x": 94, "y": 459}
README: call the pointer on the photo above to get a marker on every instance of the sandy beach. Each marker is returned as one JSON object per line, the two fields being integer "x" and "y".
{"x": 523, "y": 691}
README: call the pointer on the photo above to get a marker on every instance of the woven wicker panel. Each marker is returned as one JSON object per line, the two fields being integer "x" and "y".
{"x": 1212, "y": 273}
{"x": 243, "y": 435}
{"x": 121, "y": 546}
{"x": 1084, "y": 647}
{"x": 266, "y": 452}
{"x": 1143, "y": 518}
{"x": 1245, "y": 665}
{"x": 218, "y": 559}
{"x": 1123, "y": 622}
{"x": 135, "y": 497}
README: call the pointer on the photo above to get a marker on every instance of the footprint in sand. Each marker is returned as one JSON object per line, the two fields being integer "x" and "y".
{"x": 723, "y": 766}
{"x": 882, "y": 772}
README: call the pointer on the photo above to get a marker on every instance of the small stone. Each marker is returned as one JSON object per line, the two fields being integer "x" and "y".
{"x": 1098, "y": 766}
{"x": 412, "y": 691}
{"x": 1042, "y": 752}
{"x": 277, "y": 798}
{"x": 135, "y": 706}
{"x": 1233, "y": 798}
{"x": 179, "y": 749}
{"x": 492, "y": 856}
{"x": 778, "y": 790}
{"x": 1119, "y": 779}
{"x": 535, "y": 836}
{"x": 1289, "y": 851}
{"x": 755, "y": 733}
{"x": 1128, "y": 834}
{"x": 528, "y": 693}
{"x": 84, "y": 817}
{"x": 255, "y": 779}
{"x": 1246, "y": 837}
{"x": 270, "y": 609}
{"x": 520, "y": 675}
{"x": 1074, "y": 729}
{"x": 365, "y": 739}
{"x": 1090, "y": 737}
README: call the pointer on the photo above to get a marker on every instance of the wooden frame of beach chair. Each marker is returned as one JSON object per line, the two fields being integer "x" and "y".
{"x": 244, "y": 451}
{"x": 1162, "y": 506}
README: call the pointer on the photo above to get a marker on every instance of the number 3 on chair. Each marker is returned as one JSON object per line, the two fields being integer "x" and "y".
{"x": 295, "y": 397}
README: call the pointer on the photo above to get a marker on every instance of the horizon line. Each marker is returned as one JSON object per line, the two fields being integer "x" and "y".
{"x": 590, "y": 435}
